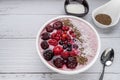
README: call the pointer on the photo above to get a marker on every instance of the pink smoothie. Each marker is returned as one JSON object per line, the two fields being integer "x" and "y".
{"x": 90, "y": 41}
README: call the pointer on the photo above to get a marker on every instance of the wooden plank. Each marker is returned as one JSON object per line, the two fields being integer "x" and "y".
{"x": 27, "y": 26}
{"x": 40, "y": 6}
{"x": 19, "y": 55}
{"x": 57, "y": 77}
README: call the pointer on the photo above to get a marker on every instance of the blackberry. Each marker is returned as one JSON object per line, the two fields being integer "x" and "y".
{"x": 49, "y": 28}
{"x": 45, "y": 36}
{"x": 58, "y": 25}
{"x": 44, "y": 45}
{"x": 71, "y": 62}
{"x": 48, "y": 55}
{"x": 58, "y": 62}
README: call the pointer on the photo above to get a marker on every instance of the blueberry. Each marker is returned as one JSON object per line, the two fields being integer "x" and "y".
{"x": 69, "y": 44}
{"x": 64, "y": 46}
{"x": 75, "y": 46}
{"x": 61, "y": 42}
{"x": 69, "y": 49}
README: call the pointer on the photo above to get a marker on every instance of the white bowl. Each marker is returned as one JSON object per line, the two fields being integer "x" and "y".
{"x": 71, "y": 71}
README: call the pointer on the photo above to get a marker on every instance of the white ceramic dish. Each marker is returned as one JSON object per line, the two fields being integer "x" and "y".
{"x": 71, "y": 72}
{"x": 111, "y": 8}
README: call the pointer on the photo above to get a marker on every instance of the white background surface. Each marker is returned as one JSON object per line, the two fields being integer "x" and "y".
{"x": 20, "y": 21}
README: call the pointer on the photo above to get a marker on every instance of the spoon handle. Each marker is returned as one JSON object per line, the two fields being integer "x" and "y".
{"x": 102, "y": 74}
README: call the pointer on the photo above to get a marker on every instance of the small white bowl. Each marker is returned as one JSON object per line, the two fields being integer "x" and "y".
{"x": 71, "y": 72}
{"x": 110, "y": 8}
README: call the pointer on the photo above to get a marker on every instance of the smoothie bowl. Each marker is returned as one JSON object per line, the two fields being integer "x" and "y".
{"x": 68, "y": 45}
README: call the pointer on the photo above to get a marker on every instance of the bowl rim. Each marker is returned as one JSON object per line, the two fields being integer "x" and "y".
{"x": 72, "y": 71}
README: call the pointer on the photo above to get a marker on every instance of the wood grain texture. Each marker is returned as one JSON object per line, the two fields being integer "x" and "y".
{"x": 27, "y": 26}
{"x": 57, "y": 77}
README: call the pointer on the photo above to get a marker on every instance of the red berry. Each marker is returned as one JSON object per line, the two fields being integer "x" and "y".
{"x": 65, "y": 55}
{"x": 57, "y": 38}
{"x": 73, "y": 53}
{"x": 70, "y": 32}
{"x": 59, "y": 31}
{"x": 65, "y": 28}
{"x": 68, "y": 38}
{"x": 73, "y": 35}
{"x": 64, "y": 36}
{"x": 53, "y": 42}
{"x": 53, "y": 35}
{"x": 58, "y": 25}
{"x": 57, "y": 50}
{"x": 49, "y": 28}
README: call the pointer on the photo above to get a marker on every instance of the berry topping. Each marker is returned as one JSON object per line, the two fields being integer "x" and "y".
{"x": 49, "y": 28}
{"x": 72, "y": 62}
{"x": 57, "y": 50}
{"x": 53, "y": 35}
{"x": 65, "y": 55}
{"x": 69, "y": 44}
{"x": 59, "y": 31}
{"x": 64, "y": 46}
{"x": 48, "y": 55}
{"x": 73, "y": 53}
{"x": 75, "y": 46}
{"x": 58, "y": 25}
{"x": 69, "y": 49}
{"x": 57, "y": 38}
{"x": 45, "y": 36}
{"x": 73, "y": 35}
{"x": 53, "y": 42}
{"x": 44, "y": 45}
{"x": 61, "y": 42}
{"x": 58, "y": 62}
{"x": 65, "y": 28}
{"x": 70, "y": 32}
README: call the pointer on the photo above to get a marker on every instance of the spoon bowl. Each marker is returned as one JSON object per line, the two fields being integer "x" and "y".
{"x": 107, "y": 57}
{"x": 112, "y": 8}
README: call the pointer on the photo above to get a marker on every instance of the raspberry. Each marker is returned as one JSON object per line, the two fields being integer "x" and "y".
{"x": 73, "y": 53}
{"x": 70, "y": 32}
{"x": 65, "y": 28}
{"x": 49, "y": 28}
{"x": 44, "y": 45}
{"x": 58, "y": 62}
{"x": 72, "y": 62}
{"x": 58, "y": 25}
{"x": 65, "y": 55}
{"x": 45, "y": 36}
{"x": 53, "y": 35}
{"x": 48, "y": 55}
{"x": 53, "y": 42}
{"x": 57, "y": 50}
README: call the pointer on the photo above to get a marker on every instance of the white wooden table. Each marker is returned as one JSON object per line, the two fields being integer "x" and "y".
{"x": 20, "y": 21}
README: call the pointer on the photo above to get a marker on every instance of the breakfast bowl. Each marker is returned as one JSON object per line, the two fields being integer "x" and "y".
{"x": 68, "y": 44}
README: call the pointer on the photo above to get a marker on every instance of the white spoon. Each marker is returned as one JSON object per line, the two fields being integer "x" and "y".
{"x": 112, "y": 8}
